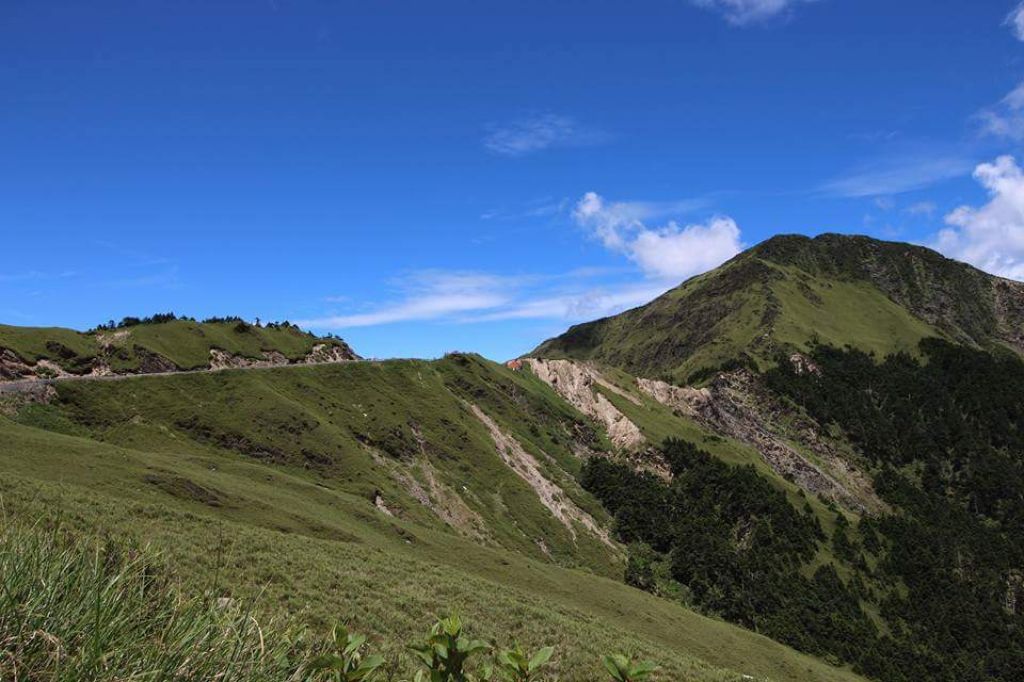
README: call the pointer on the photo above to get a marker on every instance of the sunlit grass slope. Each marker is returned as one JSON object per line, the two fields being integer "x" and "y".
{"x": 264, "y": 482}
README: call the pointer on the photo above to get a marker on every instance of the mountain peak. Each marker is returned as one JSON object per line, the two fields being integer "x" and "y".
{"x": 791, "y": 291}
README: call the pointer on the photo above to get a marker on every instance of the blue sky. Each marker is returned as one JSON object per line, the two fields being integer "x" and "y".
{"x": 423, "y": 177}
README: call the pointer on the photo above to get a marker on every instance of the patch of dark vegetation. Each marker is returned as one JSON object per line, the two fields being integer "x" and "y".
{"x": 158, "y": 318}
{"x": 235, "y": 442}
{"x": 401, "y": 441}
{"x": 153, "y": 363}
{"x": 185, "y": 489}
{"x": 948, "y": 436}
{"x": 742, "y": 361}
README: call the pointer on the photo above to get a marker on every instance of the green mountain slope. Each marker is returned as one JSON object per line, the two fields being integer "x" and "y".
{"x": 789, "y": 291}
{"x": 377, "y": 493}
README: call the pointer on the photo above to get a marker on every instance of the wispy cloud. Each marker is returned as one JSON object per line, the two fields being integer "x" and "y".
{"x": 921, "y": 208}
{"x": 475, "y": 297}
{"x": 584, "y": 305}
{"x": 1015, "y": 20}
{"x": 898, "y": 175}
{"x": 428, "y": 295}
{"x": 538, "y": 132}
{"x": 991, "y": 236}
{"x": 35, "y": 276}
{"x": 546, "y": 207}
{"x": 1006, "y": 118}
{"x": 746, "y": 12}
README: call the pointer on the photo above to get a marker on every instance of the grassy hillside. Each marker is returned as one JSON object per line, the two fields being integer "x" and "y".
{"x": 369, "y": 492}
{"x": 781, "y": 295}
{"x": 151, "y": 346}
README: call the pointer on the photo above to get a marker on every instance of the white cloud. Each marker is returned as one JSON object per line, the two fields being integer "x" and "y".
{"x": 897, "y": 176}
{"x": 990, "y": 237}
{"x": 668, "y": 252}
{"x": 1015, "y": 21}
{"x": 744, "y": 12}
{"x": 1006, "y": 119}
{"x": 536, "y": 133}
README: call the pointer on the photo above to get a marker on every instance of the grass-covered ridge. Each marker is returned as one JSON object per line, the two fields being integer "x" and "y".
{"x": 165, "y": 344}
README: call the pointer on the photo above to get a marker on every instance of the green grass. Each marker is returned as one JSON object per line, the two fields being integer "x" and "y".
{"x": 158, "y": 459}
{"x": 842, "y": 313}
{"x": 74, "y": 609}
{"x": 185, "y": 343}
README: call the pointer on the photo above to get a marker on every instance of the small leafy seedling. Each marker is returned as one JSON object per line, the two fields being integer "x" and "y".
{"x": 624, "y": 670}
{"x": 515, "y": 665}
{"x": 345, "y": 662}
{"x": 446, "y": 653}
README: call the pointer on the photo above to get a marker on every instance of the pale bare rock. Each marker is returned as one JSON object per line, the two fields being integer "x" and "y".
{"x": 550, "y": 494}
{"x": 115, "y": 339}
{"x": 49, "y": 369}
{"x": 378, "y": 502}
{"x": 100, "y": 368}
{"x": 220, "y": 359}
{"x": 324, "y": 353}
{"x": 575, "y": 382}
{"x": 736, "y": 405}
{"x": 803, "y": 364}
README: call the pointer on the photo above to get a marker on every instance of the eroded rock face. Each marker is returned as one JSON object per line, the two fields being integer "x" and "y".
{"x": 329, "y": 352}
{"x": 1009, "y": 303}
{"x": 575, "y": 382}
{"x": 737, "y": 405}
{"x": 322, "y": 353}
{"x": 13, "y": 368}
{"x": 220, "y": 359}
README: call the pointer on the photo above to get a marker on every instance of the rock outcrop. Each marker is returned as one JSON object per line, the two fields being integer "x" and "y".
{"x": 576, "y": 382}
{"x": 737, "y": 405}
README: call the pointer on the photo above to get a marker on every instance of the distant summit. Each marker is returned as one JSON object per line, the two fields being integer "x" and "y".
{"x": 792, "y": 290}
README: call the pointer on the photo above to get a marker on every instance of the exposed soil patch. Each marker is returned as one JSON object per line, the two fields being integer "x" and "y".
{"x": 575, "y": 382}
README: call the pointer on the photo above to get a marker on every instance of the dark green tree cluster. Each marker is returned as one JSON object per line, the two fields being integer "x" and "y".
{"x": 736, "y": 544}
{"x": 947, "y": 435}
